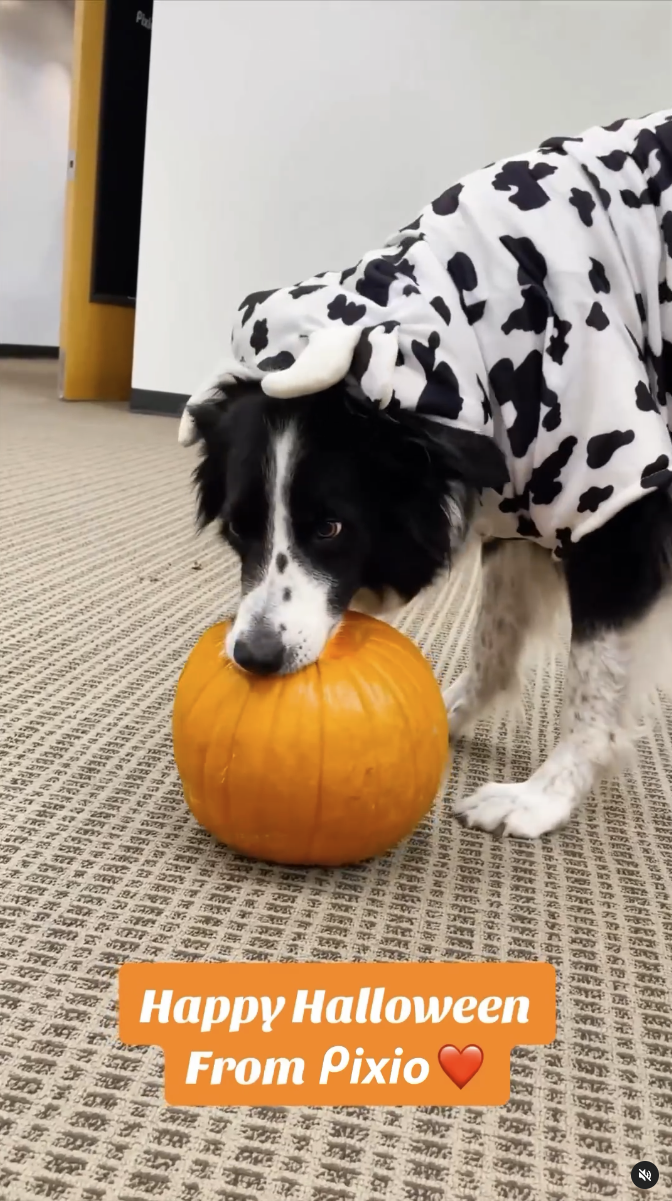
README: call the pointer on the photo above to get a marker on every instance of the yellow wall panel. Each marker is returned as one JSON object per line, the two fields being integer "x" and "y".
{"x": 96, "y": 339}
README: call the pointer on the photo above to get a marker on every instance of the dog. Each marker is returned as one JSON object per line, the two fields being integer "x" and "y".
{"x": 500, "y": 372}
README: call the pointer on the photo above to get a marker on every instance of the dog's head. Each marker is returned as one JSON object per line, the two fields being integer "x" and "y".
{"x": 325, "y": 499}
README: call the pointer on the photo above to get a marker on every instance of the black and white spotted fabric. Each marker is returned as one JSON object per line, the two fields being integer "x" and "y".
{"x": 531, "y": 302}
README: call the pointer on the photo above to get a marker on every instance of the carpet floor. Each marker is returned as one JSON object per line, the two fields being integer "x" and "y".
{"x": 105, "y": 589}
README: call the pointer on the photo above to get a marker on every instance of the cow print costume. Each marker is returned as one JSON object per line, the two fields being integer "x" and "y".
{"x": 531, "y": 302}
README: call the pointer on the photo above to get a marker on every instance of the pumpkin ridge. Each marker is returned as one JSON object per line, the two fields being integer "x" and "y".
{"x": 210, "y": 750}
{"x": 385, "y": 643}
{"x": 186, "y": 716}
{"x": 320, "y": 797}
{"x": 389, "y": 682}
{"x": 226, "y": 801}
{"x": 399, "y": 666}
{"x": 264, "y": 757}
{"x": 201, "y": 692}
{"x": 355, "y": 676}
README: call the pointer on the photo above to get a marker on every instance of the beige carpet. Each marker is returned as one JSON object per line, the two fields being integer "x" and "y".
{"x": 105, "y": 589}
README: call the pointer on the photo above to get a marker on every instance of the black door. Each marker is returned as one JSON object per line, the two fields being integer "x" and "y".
{"x": 121, "y": 150}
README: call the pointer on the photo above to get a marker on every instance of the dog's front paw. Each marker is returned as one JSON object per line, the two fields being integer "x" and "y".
{"x": 522, "y": 810}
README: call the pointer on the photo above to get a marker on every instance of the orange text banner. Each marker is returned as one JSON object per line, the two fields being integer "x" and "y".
{"x": 336, "y": 1033}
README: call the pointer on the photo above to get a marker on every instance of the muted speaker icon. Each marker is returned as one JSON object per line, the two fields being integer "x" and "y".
{"x": 644, "y": 1174}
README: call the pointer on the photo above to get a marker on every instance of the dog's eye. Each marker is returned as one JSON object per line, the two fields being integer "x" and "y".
{"x": 329, "y": 529}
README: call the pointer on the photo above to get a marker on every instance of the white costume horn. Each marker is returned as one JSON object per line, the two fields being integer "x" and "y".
{"x": 229, "y": 372}
{"x": 324, "y": 362}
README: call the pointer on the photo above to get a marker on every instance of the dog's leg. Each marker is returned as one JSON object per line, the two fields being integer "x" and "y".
{"x": 509, "y": 596}
{"x": 595, "y": 707}
{"x": 618, "y": 582}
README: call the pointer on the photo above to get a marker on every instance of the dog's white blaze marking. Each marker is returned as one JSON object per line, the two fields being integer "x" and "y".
{"x": 290, "y": 598}
{"x": 284, "y": 453}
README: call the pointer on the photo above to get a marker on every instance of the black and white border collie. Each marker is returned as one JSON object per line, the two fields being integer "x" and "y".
{"x": 331, "y": 504}
{"x": 500, "y": 370}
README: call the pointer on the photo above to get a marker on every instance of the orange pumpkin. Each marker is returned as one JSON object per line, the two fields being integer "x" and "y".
{"x": 331, "y": 765}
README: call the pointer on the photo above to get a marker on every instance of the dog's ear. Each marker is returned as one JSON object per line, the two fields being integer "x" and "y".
{"x": 209, "y": 417}
{"x": 226, "y": 380}
{"x": 474, "y": 458}
{"x": 211, "y": 422}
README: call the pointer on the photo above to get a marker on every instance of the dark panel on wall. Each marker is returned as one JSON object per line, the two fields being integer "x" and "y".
{"x": 121, "y": 150}
{"x": 12, "y": 350}
{"x": 167, "y": 404}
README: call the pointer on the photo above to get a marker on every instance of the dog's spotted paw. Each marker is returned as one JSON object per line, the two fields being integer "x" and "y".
{"x": 522, "y": 810}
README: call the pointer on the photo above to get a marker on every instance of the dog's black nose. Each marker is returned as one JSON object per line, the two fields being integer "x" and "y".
{"x": 261, "y": 652}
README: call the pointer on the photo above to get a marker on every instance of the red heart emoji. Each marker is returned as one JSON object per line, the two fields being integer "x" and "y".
{"x": 460, "y": 1066}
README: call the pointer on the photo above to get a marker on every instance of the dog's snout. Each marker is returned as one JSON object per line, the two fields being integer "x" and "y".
{"x": 259, "y": 651}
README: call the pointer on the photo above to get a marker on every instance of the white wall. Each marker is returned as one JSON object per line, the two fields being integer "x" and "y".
{"x": 35, "y": 63}
{"x": 289, "y": 136}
